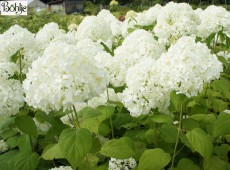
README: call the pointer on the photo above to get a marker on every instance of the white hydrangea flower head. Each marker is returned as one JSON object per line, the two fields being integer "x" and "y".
{"x": 148, "y": 17}
{"x": 187, "y": 66}
{"x": 62, "y": 168}
{"x": 213, "y": 19}
{"x": 128, "y": 23}
{"x": 14, "y": 39}
{"x": 152, "y": 13}
{"x": 89, "y": 48}
{"x": 18, "y": 39}
{"x": 94, "y": 28}
{"x": 111, "y": 20}
{"x": 176, "y": 20}
{"x": 11, "y": 92}
{"x": 107, "y": 16}
{"x": 11, "y": 95}
{"x": 198, "y": 11}
{"x": 184, "y": 68}
{"x": 3, "y": 146}
{"x": 144, "y": 91}
{"x": 138, "y": 45}
{"x": 125, "y": 164}
{"x": 7, "y": 69}
{"x": 145, "y": 18}
{"x": 67, "y": 38}
{"x": 63, "y": 76}
{"x": 47, "y": 34}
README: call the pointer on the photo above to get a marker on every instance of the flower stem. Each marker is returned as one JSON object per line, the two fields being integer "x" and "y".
{"x": 75, "y": 112}
{"x": 20, "y": 67}
{"x": 177, "y": 138}
{"x": 110, "y": 119}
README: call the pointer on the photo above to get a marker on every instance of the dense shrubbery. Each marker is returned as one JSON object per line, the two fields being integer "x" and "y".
{"x": 35, "y": 21}
{"x": 149, "y": 93}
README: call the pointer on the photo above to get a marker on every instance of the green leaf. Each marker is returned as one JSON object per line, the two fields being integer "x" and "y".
{"x": 190, "y": 124}
{"x": 5, "y": 121}
{"x": 12, "y": 141}
{"x": 140, "y": 147}
{"x": 209, "y": 39}
{"x": 107, "y": 49}
{"x": 121, "y": 119}
{"x": 26, "y": 125}
{"x": 15, "y": 57}
{"x": 200, "y": 142}
{"x": 149, "y": 135}
{"x": 25, "y": 161}
{"x": 221, "y": 125}
{"x": 57, "y": 124}
{"x": 161, "y": 118}
{"x": 214, "y": 163}
{"x": 184, "y": 162}
{"x": 92, "y": 118}
{"x": 222, "y": 151}
{"x": 154, "y": 159}
{"x": 177, "y": 101}
{"x": 52, "y": 151}
{"x": 24, "y": 143}
{"x": 106, "y": 111}
{"x": 90, "y": 162}
{"x": 114, "y": 147}
{"x": 8, "y": 133}
{"x": 75, "y": 144}
{"x": 204, "y": 118}
{"x": 168, "y": 133}
{"x": 6, "y": 157}
{"x": 218, "y": 104}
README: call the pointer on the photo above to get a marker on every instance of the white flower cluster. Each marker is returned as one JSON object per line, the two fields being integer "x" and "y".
{"x": 18, "y": 39}
{"x": 64, "y": 75}
{"x": 115, "y": 24}
{"x": 49, "y": 32}
{"x": 146, "y": 18}
{"x": 3, "y": 146}
{"x": 188, "y": 65}
{"x": 62, "y": 168}
{"x": 175, "y": 21}
{"x": 138, "y": 45}
{"x": 94, "y": 28}
{"x": 125, "y": 164}
{"x": 213, "y": 19}
{"x": 184, "y": 68}
{"x": 11, "y": 93}
{"x": 65, "y": 69}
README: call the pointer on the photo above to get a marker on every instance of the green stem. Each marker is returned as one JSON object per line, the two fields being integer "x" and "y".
{"x": 87, "y": 160}
{"x": 20, "y": 67}
{"x": 177, "y": 138}
{"x": 215, "y": 42}
{"x": 110, "y": 119}
{"x": 75, "y": 112}
{"x": 111, "y": 124}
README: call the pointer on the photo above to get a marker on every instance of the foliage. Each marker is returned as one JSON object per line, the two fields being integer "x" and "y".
{"x": 193, "y": 133}
{"x": 35, "y": 21}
